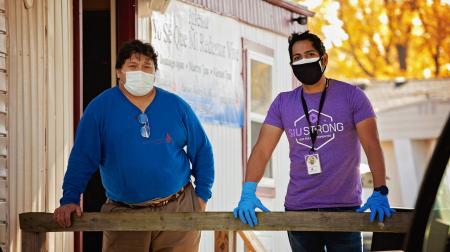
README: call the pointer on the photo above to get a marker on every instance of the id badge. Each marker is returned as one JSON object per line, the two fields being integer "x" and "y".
{"x": 313, "y": 164}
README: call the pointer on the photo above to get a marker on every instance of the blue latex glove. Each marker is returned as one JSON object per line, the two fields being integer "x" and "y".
{"x": 247, "y": 205}
{"x": 378, "y": 204}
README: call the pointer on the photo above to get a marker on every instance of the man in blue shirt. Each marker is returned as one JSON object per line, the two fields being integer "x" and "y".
{"x": 136, "y": 135}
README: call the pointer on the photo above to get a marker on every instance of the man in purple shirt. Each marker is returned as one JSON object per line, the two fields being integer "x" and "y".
{"x": 326, "y": 121}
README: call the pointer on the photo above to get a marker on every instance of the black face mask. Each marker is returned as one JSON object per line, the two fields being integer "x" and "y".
{"x": 308, "y": 73}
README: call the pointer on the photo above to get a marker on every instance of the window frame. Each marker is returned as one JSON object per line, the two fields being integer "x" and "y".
{"x": 258, "y": 52}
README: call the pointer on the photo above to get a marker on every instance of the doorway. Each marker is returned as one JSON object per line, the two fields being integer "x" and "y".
{"x": 96, "y": 69}
{"x": 96, "y": 37}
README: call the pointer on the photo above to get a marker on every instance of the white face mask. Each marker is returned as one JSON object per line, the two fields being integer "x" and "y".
{"x": 139, "y": 83}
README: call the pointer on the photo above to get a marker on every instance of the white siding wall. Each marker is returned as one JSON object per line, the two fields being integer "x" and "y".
{"x": 408, "y": 137}
{"x": 418, "y": 121}
{"x": 40, "y": 90}
{"x": 228, "y": 174}
{"x": 406, "y": 161}
{"x": 395, "y": 192}
{"x": 282, "y": 81}
{"x": 422, "y": 150}
{"x": 4, "y": 180}
{"x": 408, "y": 180}
{"x": 227, "y": 144}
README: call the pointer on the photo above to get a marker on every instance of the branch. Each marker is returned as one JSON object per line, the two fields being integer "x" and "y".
{"x": 360, "y": 64}
{"x": 434, "y": 49}
{"x": 352, "y": 51}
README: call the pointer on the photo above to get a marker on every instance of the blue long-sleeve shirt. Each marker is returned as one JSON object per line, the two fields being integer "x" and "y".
{"x": 135, "y": 169}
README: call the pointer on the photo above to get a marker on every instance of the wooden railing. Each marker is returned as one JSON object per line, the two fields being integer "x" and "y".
{"x": 35, "y": 225}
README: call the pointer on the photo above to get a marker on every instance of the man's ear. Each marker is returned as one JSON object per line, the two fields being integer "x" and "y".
{"x": 325, "y": 59}
{"x": 120, "y": 73}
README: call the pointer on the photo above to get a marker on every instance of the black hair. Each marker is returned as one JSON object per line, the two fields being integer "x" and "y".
{"x": 315, "y": 40}
{"x": 136, "y": 46}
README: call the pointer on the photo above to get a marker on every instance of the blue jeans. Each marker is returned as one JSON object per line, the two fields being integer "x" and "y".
{"x": 309, "y": 241}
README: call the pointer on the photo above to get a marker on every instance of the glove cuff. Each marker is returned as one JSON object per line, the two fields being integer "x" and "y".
{"x": 249, "y": 187}
{"x": 378, "y": 194}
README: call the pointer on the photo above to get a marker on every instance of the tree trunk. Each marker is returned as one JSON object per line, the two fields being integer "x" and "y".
{"x": 401, "y": 53}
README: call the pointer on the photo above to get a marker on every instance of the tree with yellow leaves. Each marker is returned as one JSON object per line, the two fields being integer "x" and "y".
{"x": 384, "y": 39}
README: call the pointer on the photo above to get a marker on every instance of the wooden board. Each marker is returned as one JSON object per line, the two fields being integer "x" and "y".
{"x": 3, "y": 212}
{"x": 225, "y": 241}
{"x": 300, "y": 221}
{"x": 33, "y": 242}
{"x": 3, "y": 41}
{"x": 3, "y": 190}
{"x": 3, "y": 81}
{"x": 2, "y": 22}
{"x": 251, "y": 241}
{"x": 3, "y": 168}
{"x": 3, "y": 63}
{"x": 3, "y": 233}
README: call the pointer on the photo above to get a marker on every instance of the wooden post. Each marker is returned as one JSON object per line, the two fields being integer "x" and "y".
{"x": 251, "y": 241}
{"x": 224, "y": 241}
{"x": 33, "y": 241}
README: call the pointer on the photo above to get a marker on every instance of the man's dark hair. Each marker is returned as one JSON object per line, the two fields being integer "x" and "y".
{"x": 136, "y": 46}
{"x": 315, "y": 40}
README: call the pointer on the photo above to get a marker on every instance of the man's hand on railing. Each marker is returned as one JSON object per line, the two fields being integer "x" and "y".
{"x": 247, "y": 205}
{"x": 62, "y": 214}
{"x": 379, "y": 205}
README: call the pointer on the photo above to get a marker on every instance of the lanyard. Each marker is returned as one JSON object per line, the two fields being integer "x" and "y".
{"x": 313, "y": 130}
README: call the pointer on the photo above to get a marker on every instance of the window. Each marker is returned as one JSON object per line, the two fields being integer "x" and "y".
{"x": 259, "y": 97}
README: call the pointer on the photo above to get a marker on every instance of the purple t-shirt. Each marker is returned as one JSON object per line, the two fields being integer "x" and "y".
{"x": 337, "y": 143}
